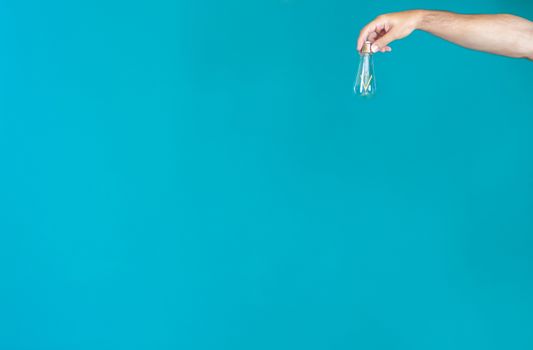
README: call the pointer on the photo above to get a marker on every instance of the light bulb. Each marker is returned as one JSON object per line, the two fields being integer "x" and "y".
{"x": 365, "y": 81}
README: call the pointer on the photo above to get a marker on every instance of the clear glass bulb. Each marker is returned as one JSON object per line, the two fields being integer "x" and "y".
{"x": 365, "y": 81}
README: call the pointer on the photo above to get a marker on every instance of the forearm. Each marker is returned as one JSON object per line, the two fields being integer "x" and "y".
{"x": 506, "y": 35}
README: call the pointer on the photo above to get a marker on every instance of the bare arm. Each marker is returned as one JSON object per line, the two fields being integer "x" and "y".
{"x": 505, "y": 35}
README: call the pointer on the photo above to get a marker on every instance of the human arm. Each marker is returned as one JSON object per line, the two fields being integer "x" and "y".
{"x": 500, "y": 34}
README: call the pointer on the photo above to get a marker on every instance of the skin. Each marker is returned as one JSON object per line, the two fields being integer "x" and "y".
{"x": 501, "y": 34}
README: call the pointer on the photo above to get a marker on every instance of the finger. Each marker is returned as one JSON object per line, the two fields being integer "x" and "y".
{"x": 379, "y": 35}
{"x": 380, "y": 27}
{"x": 384, "y": 41}
{"x": 363, "y": 35}
{"x": 372, "y": 36}
{"x": 383, "y": 31}
{"x": 365, "y": 32}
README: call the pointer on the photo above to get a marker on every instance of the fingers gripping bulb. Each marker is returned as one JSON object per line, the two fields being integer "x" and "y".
{"x": 365, "y": 81}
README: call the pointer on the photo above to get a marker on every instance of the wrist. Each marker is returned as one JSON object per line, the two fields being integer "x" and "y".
{"x": 421, "y": 18}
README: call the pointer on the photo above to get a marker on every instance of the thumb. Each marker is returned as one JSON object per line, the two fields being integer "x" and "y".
{"x": 384, "y": 41}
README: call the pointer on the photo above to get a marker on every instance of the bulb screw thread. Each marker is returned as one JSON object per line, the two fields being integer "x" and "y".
{"x": 366, "y": 47}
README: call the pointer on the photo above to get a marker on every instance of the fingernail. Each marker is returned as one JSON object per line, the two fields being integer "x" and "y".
{"x": 375, "y": 48}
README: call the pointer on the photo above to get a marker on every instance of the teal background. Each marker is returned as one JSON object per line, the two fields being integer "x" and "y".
{"x": 199, "y": 175}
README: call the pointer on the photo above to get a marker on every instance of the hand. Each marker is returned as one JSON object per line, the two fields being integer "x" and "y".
{"x": 389, "y": 27}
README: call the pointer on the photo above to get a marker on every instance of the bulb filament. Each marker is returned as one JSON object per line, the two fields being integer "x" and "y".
{"x": 367, "y": 84}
